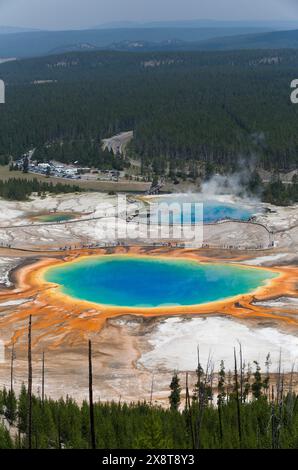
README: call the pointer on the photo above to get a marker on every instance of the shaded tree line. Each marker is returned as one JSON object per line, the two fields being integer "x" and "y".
{"x": 84, "y": 152}
{"x": 238, "y": 408}
{"x": 19, "y": 189}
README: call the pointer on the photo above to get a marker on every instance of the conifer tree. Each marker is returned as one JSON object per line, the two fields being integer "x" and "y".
{"x": 175, "y": 396}
{"x": 257, "y": 385}
{"x": 11, "y": 407}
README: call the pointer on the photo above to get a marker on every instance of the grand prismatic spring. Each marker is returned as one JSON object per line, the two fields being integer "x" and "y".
{"x": 153, "y": 282}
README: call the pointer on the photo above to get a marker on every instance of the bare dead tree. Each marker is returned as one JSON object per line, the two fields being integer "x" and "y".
{"x": 202, "y": 397}
{"x": 151, "y": 390}
{"x": 237, "y": 400}
{"x": 91, "y": 405}
{"x": 241, "y": 373}
{"x": 12, "y": 366}
{"x": 30, "y": 383}
{"x": 221, "y": 398}
{"x": 229, "y": 385}
{"x": 291, "y": 395}
{"x": 188, "y": 410}
{"x": 210, "y": 382}
{"x": 278, "y": 384}
{"x": 267, "y": 378}
{"x": 59, "y": 431}
{"x": 199, "y": 371}
{"x": 42, "y": 378}
{"x": 291, "y": 379}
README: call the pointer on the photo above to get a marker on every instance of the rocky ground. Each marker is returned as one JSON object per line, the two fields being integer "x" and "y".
{"x": 97, "y": 216}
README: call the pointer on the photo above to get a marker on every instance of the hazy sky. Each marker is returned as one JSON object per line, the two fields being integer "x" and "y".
{"x": 85, "y": 13}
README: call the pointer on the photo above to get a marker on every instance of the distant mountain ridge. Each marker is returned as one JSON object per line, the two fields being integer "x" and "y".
{"x": 41, "y": 43}
{"x": 15, "y": 30}
{"x": 203, "y": 23}
{"x": 45, "y": 42}
{"x": 270, "y": 40}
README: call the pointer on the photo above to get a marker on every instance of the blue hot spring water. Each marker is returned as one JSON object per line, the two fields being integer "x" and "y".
{"x": 151, "y": 282}
{"x": 213, "y": 210}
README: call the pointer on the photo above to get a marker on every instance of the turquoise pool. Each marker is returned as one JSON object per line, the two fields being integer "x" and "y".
{"x": 52, "y": 218}
{"x": 151, "y": 282}
{"x": 186, "y": 211}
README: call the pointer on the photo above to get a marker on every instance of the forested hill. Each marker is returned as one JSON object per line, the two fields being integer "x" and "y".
{"x": 267, "y": 40}
{"x": 214, "y": 107}
{"x": 94, "y": 65}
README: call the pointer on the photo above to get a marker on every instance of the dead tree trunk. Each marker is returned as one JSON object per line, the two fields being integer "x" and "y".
{"x": 91, "y": 406}
{"x": 29, "y": 384}
{"x": 11, "y": 368}
{"x": 42, "y": 379}
{"x": 220, "y": 424}
{"x": 151, "y": 391}
{"x": 237, "y": 400}
{"x": 189, "y": 412}
{"x": 241, "y": 373}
